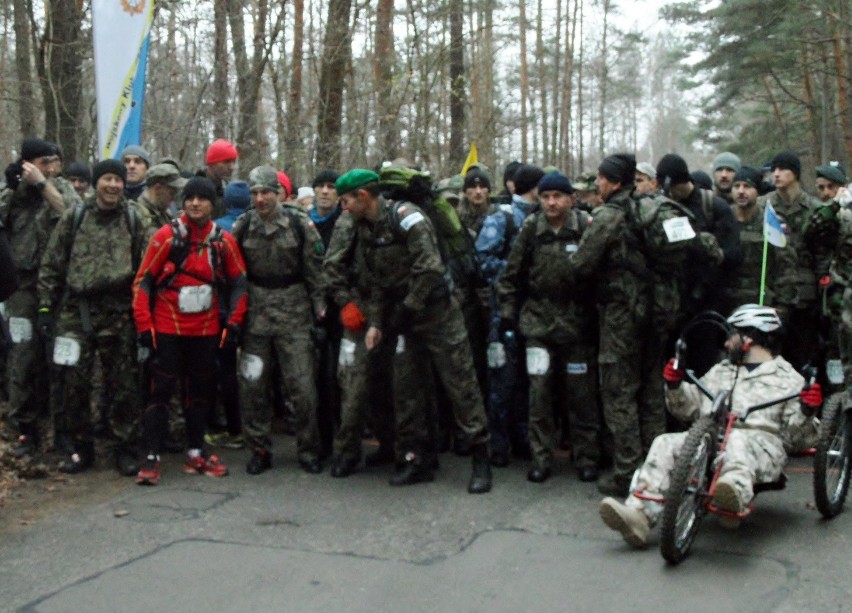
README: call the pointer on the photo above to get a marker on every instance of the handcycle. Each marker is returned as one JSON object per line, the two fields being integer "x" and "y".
{"x": 833, "y": 457}
{"x": 701, "y": 459}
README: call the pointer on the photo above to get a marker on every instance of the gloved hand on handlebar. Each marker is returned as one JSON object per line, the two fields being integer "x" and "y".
{"x": 672, "y": 375}
{"x": 811, "y": 398}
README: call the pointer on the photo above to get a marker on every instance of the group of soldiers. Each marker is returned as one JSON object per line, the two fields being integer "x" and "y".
{"x": 547, "y": 323}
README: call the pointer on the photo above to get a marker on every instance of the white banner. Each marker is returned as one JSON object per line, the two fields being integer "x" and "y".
{"x": 120, "y": 34}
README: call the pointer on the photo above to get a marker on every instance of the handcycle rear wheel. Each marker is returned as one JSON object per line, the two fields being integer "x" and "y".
{"x": 685, "y": 501}
{"x": 832, "y": 466}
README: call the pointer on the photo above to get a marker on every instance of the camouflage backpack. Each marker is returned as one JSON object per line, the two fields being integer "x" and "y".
{"x": 455, "y": 244}
{"x": 667, "y": 230}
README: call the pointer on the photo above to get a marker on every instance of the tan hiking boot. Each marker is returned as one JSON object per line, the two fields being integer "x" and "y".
{"x": 630, "y": 522}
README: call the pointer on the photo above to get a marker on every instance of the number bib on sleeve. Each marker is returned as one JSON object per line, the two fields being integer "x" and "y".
{"x": 195, "y": 298}
{"x": 66, "y": 351}
{"x": 20, "y": 329}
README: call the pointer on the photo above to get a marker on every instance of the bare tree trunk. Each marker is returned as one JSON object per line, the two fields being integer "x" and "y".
{"x": 522, "y": 36}
{"x": 542, "y": 127}
{"x": 220, "y": 68}
{"x": 604, "y": 79}
{"x": 23, "y": 69}
{"x": 293, "y": 147}
{"x": 567, "y": 80}
{"x": 841, "y": 76}
{"x": 457, "y": 84}
{"x": 387, "y": 120}
{"x": 581, "y": 150}
{"x": 335, "y": 58}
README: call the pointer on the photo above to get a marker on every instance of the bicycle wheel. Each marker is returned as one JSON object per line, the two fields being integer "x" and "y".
{"x": 685, "y": 501}
{"x": 832, "y": 460}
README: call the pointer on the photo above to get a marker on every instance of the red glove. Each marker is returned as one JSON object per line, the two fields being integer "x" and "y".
{"x": 352, "y": 318}
{"x": 671, "y": 374}
{"x": 812, "y": 396}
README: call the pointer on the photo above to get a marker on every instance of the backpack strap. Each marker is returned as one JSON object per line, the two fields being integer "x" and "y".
{"x": 707, "y": 206}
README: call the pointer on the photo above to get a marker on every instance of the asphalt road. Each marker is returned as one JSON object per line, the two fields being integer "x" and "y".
{"x": 290, "y": 541}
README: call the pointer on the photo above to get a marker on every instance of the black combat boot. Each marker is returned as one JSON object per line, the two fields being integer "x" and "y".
{"x": 480, "y": 478}
{"x": 414, "y": 469}
{"x": 82, "y": 459}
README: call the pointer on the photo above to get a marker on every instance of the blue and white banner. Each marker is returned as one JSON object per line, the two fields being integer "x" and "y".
{"x": 120, "y": 33}
{"x": 773, "y": 228}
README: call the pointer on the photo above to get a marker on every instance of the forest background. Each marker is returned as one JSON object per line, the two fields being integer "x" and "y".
{"x": 309, "y": 84}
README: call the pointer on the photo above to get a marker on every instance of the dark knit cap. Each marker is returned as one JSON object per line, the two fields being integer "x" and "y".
{"x": 526, "y": 178}
{"x": 787, "y": 160}
{"x": 555, "y": 181}
{"x": 752, "y": 176}
{"x": 81, "y": 170}
{"x": 619, "y": 168}
{"x": 476, "y": 178}
{"x": 34, "y": 148}
{"x": 199, "y": 186}
{"x": 237, "y": 195}
{"x": 701, "y": 179}
{"x": 509, "y": 171}
{"x": 833, "y": 172}
{"x": 108, "y": 167}
{"x": 672, "y": 167}
{"x": 326, "y": 175}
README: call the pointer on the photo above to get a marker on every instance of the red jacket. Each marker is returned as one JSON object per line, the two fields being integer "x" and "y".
{"x": 157, "y": 277}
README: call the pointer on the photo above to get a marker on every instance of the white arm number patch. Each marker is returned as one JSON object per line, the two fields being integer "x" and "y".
{"x": 409, "y": 220}
{"x": 678, "y": 229}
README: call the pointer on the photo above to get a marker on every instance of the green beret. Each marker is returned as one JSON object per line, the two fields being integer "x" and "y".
{"x": 832, "y": 173}
{"x": 352, "y": 180}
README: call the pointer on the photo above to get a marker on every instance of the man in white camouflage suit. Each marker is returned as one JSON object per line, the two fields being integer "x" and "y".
{"x": 757, "y": 447}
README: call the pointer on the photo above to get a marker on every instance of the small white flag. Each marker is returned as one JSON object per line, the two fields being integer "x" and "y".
{"x": 773, "y": 229}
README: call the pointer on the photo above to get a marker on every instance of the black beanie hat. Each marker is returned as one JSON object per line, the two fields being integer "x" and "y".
{"x": 787, "y": 160}
{"x": 555, "y": 181}
{"x": 33, "y": 148}
{"x": 619, "y": 168}
{"x": 527, "y": 177}
{"x": 476, "y": 178}
{"x": 108, "y": 167}
{"x": 326, "y": 175}
{"x": 80, "y": 170}
{"x": 672, "y": 167}
{"x": 510, "y": 170}
{"x": 701, "y": 179}
{"x": 752, "y": 176}
{"x": 199, "y": 186}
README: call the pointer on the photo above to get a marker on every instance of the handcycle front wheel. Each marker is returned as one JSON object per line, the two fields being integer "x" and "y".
{"x": 686, "y": 499}
{"x": 832, "y": 459}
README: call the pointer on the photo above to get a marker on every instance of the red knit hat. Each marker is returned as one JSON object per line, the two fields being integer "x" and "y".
{"x": 285, "y": 182}
{"x": 221, "y": 150}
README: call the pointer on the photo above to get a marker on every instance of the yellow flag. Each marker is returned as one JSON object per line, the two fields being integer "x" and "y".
{"x": 472, "y": 158}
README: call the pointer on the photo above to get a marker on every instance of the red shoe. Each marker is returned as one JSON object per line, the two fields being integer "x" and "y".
{"x": 149, "y": 474}
{"x": 211, "y": 466}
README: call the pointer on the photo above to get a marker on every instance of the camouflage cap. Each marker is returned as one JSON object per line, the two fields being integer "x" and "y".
{"x": 264, "y": 178}
{"x": 451, "y": 187}
{"x": 352, "y": 180}
{"x": 585, "y": 183}
{"x": 165, "y": 174}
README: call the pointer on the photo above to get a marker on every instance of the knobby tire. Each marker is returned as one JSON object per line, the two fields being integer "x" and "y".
{"x": 832, "y": 466}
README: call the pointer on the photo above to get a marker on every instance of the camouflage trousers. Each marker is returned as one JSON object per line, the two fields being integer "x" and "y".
{"x": 438, "y": 336}
{"x": 751, "y": 456}
{"x": 359, "y": 373}
{"x": 294, "y": 353}
{"x": 569, "y": 372}
{"x": 112, "y": 340}
{"x": 27, "y": 366}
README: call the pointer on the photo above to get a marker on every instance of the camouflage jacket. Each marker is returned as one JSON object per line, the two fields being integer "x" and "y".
{"x": 474, "y": 218}
{"x": 96, "y": 260}
{"x": 796, "y": 214}
{"x": 782, "y": 288}
{"x": 342, "y": 269}
{"x": 29, "y": 220}
{"x": 550, "y": 311}
{"x": 784, "y": 422}
{"x": 403, "y": 263}
{"x": 283, "y": 259}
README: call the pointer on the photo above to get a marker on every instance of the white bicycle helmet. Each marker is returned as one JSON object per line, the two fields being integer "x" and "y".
{"x": 761, "y": 318}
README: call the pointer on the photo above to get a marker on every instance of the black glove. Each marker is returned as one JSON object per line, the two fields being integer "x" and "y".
{"x": 44, "y": 322}
{"x": 148, "y": 340}
{"x": 506, "y": 325}
{"x": 401, "y": 320}
{"x": 13, "y": 174}
{"x": 230, "y": 337}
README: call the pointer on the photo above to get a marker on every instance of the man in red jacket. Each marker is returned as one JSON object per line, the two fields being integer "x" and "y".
{"x": 189, "y": 269}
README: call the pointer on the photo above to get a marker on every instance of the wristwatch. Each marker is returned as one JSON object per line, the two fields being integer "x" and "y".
{"x": 41, "y": 185}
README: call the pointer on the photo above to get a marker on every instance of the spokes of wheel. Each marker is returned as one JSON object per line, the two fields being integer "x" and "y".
{"x": 687, "y": 495}
{"x": 832, "y": 459}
